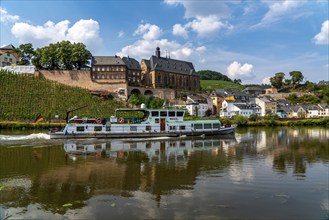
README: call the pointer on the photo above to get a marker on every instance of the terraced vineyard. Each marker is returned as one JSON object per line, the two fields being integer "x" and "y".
{"x": 23, "y": 97}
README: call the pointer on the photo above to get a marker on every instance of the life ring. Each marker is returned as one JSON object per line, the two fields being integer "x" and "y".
{"x": 121, "y": 120}
{"x": 98, "y": 120}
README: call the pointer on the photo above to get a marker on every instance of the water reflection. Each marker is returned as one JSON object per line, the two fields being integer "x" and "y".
{"x": 59, "y": 176}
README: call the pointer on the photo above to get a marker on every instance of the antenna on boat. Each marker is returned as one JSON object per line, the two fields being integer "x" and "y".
{"x": 70, "y": 111}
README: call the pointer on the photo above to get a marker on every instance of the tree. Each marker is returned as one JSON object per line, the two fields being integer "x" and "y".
{"x": 80, "y": 55}
{"x": 296, "y": 77}
{"x": 213, "y": 75}
{"x": 62, "y": 55}
{"x": 277, "y": 80}
{"x": 25, "y": 53}
{"x": 237, "y": 81}
{"x": 36, "y": 60}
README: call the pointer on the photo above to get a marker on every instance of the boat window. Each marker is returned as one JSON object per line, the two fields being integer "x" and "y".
{"x": 207, "y": 126}
{"x": 148, "y": 128}
{"x": 80, "y": 128}
{"x": 108, "y": 128}
{"x": 215, "y": 125}
{"x": 173, "y": 128}
{"x": 182, "y": 127}
{"x": 133, "y": 128}
{"x": 172, "y": 113}
{"x": 155, "y": 113}
{"x": 163, "y": 113}
{"x": 180, "y": 114}
{"x": 156, "y": 121}
{"x": 197, "y": 126}
{"x": 97, "y": 128}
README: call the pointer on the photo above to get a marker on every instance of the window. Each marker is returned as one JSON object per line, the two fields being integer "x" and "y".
{"x": 155, "y": 113}
{"x": 122, "y": 76}
{"x": 197, "y": 126}
{"x": 98, "y": 128}
{"x": 94, "y": 69}
{"x": 80, "y": 128}
{"x": 103, "y": 69}
{"x": 215, "y": 125}
{"x": 112, "y": 68}
{"x": 107, "y": 68}
{"x": 182, "y": 127}
{"x": 122, "y": 68}
{"x": 117, "y": 68}
{"x": 207, "y": 126}
{"x": 103, "y": 77}
{"x": 156, "y": 121}
{"x": 172, "y": 114}
{"x": 148, "y": 128}
{"x": 172, "y": 128}
{"x": 163, "y": 113}
{"x": 133, "y": 128}
{"x": 117, "y": 76}
{"x": 98, "y": 69}
{"x": 180, "y": 114}
{"x": 108, "y": 128}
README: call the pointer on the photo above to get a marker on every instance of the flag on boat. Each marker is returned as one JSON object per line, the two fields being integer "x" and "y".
{"x": 38, "y": 119}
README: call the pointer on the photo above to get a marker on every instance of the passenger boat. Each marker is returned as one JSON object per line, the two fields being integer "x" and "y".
{"x": 138, "y": 123}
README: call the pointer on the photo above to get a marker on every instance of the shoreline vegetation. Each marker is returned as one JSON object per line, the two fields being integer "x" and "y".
{"x": 239, "y": 121}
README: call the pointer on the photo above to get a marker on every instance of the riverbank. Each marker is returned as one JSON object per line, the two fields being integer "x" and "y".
{"x": 18, "y": 125}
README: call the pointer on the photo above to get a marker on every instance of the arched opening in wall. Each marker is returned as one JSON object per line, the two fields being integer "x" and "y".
{"x": 148, "y": 94}
{"x": 135, "y": 91}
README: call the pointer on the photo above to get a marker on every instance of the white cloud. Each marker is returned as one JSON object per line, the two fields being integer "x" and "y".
{"x": 203, "y": 26}
{"x": 206, "y": 25}
{"x": 85, "y": 31}
{"x": 5, "y": 17}
{"x": 278, "y": 10}
{"x": 201, "y": 49}
{"x": 323, "y": 36}
{"x": 266, "y": 80}
{"x": 121, "y": 34}
{"x": 179, "y": 30}
{"x": 149, "y": 32}
{"x": 202, "y": 9}
{"x": 237, "y": 71}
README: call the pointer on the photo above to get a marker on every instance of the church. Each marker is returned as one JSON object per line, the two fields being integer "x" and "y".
{"x": 164, "y": 72}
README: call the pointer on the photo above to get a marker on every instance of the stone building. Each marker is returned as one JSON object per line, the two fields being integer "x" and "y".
{"x": 164, "y": 72}
{"x": 7, "y": 56}
{"x": 108, "y": 69}
{"x": 133, "y": 71}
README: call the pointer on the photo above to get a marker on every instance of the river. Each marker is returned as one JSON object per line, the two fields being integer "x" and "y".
{"x": 259, "y": 173}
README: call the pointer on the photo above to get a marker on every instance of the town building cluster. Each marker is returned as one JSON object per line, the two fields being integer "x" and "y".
{"x": 171, "y": 76}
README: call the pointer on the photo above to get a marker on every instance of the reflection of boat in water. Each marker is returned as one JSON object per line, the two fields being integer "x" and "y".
{"x": 153, "y": 149}
{"x": 140, "y": 123}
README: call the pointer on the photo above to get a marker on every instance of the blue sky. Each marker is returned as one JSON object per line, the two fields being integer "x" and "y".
{"x": 247, "y": 40}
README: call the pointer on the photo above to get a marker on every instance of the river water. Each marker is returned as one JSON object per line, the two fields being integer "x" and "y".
{"x": 272, "y": 173}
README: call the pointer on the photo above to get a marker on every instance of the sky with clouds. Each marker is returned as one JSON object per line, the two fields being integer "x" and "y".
{"x": 247, "y": 40}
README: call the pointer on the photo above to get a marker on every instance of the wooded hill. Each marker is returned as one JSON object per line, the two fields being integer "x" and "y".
{"x": 23, "y": 97}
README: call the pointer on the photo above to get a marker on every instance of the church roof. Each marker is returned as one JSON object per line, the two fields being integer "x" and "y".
{"x": 131, "y": 63}
{"x": 172, "y": 65}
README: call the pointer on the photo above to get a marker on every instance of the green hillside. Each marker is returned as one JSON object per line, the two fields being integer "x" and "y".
{"x": 22, "y": 97}
{"x": 209, "y": 85}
